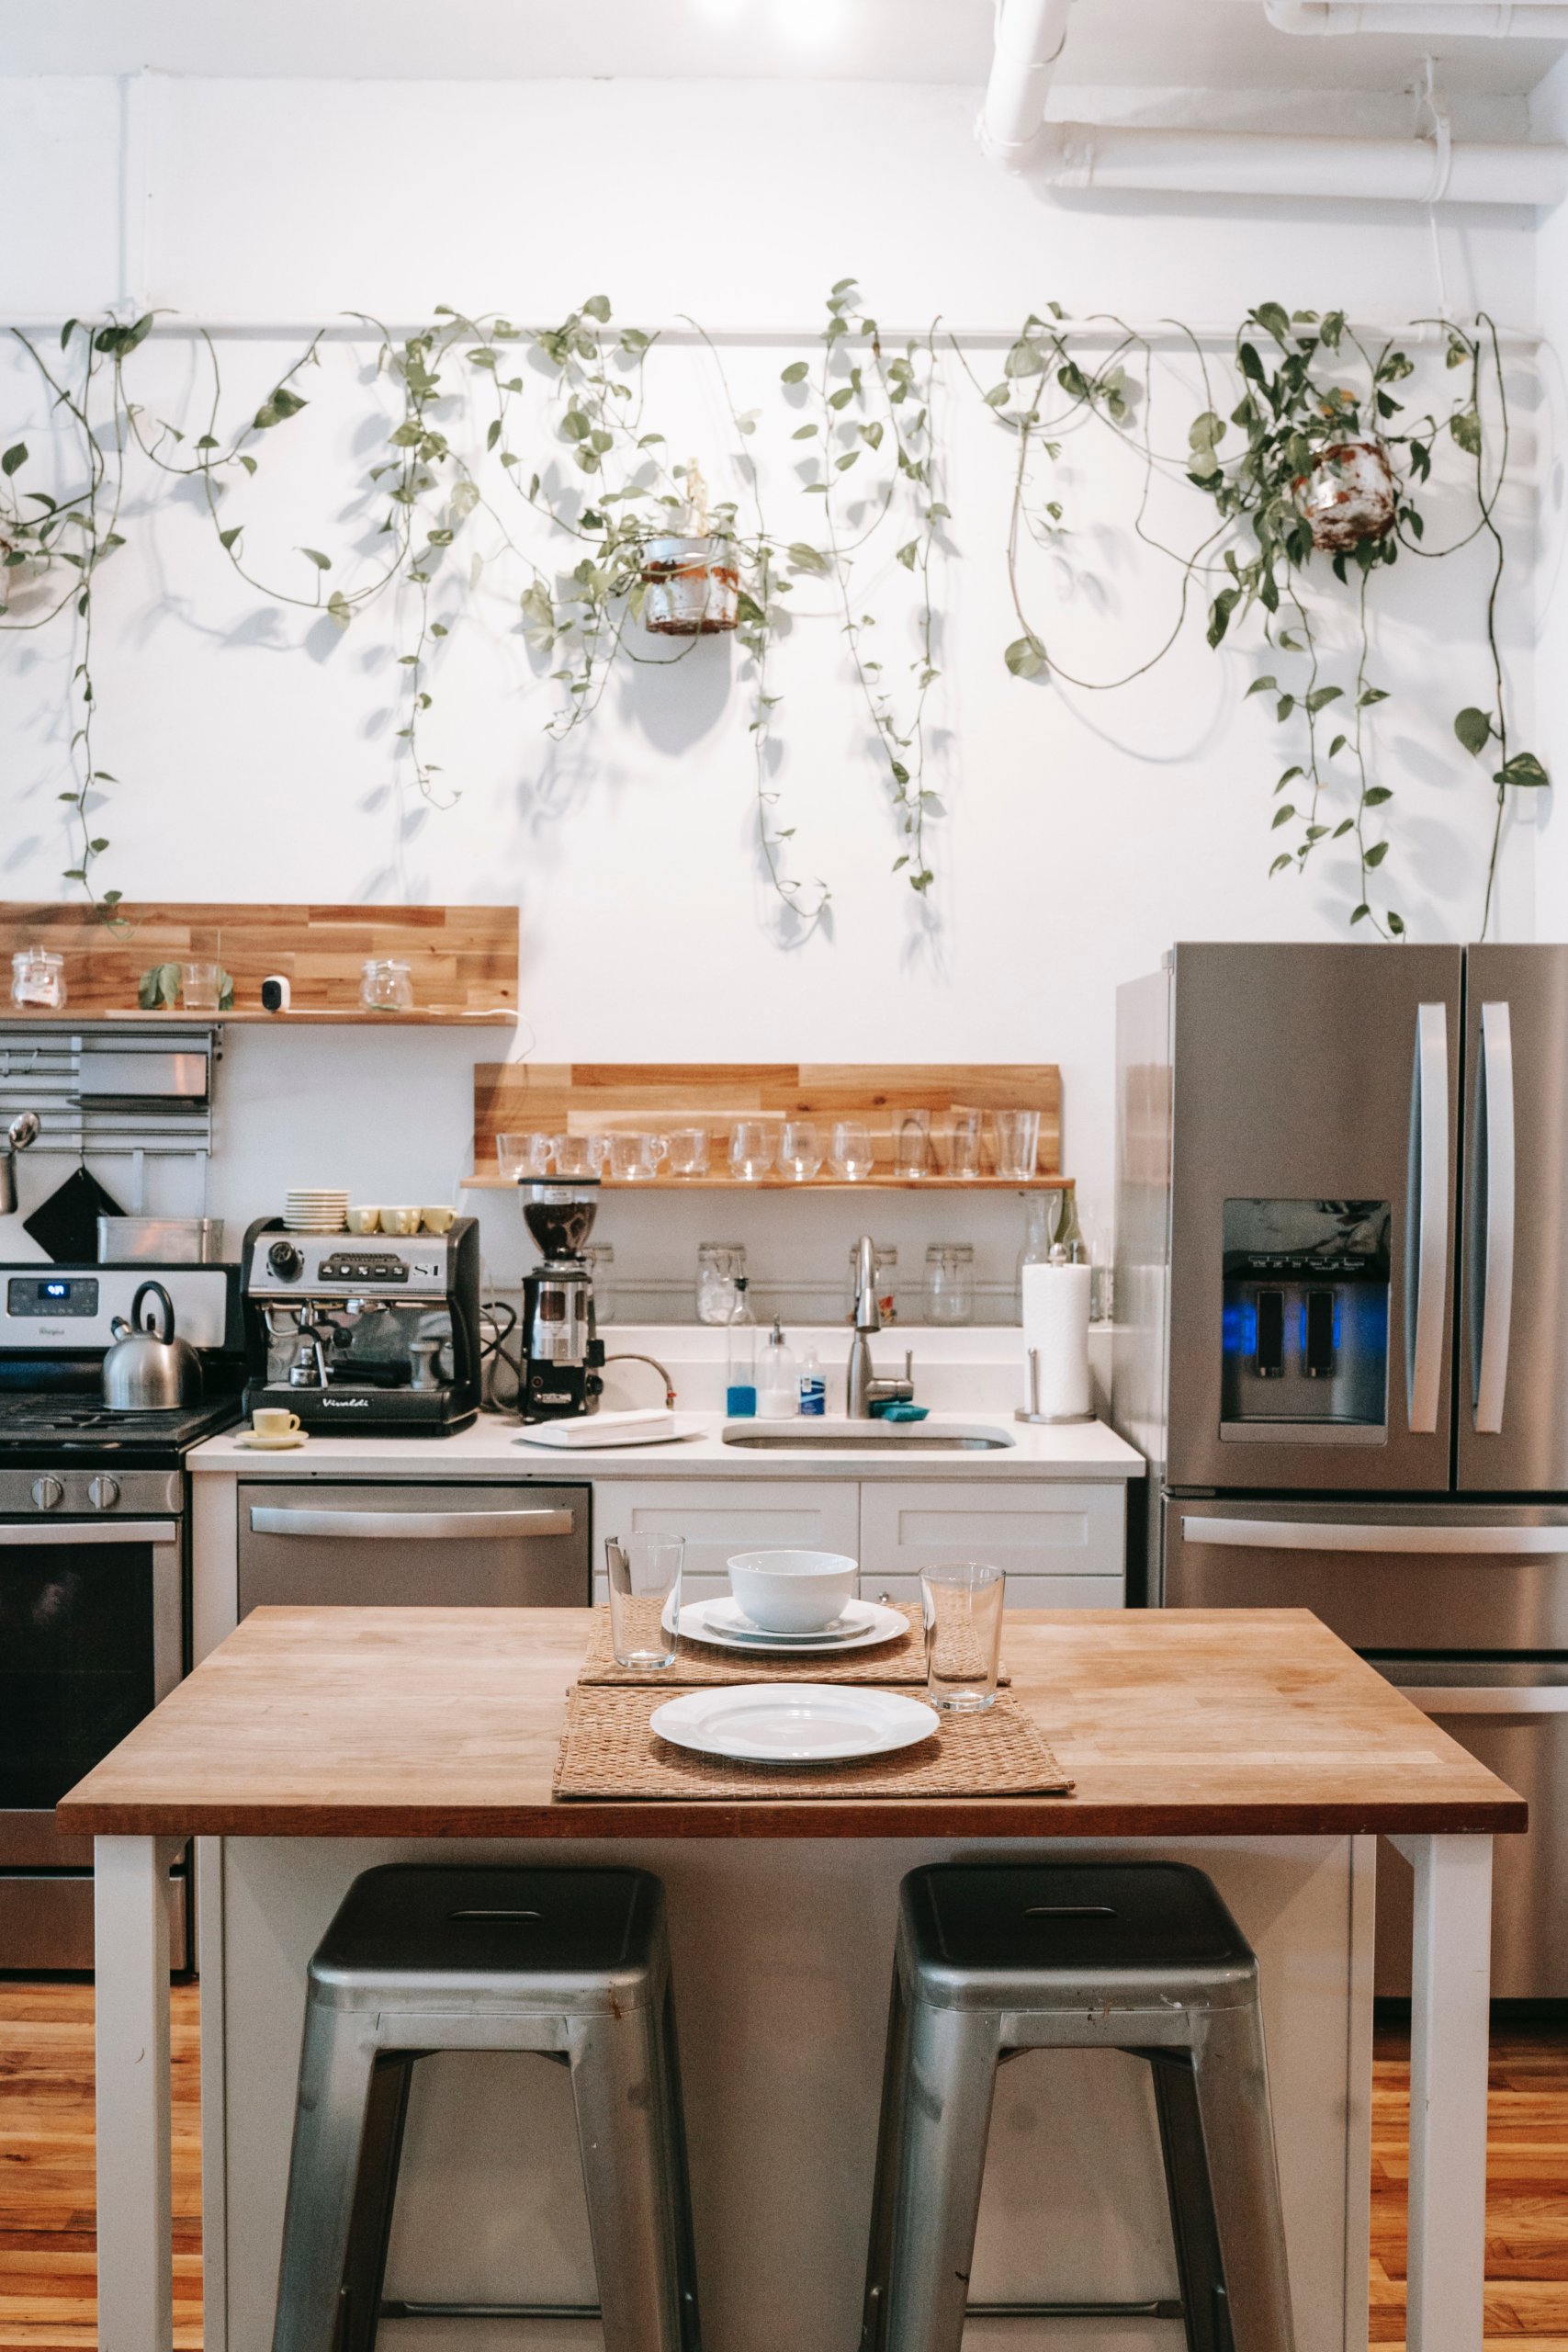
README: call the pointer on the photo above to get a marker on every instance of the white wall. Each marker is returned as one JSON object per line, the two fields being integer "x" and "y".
{"x": 1086, "y": 833}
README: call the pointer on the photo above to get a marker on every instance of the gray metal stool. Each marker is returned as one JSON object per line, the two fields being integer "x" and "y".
{"x": 571, "y": 1963}
{"x": 1142, "y": 1957}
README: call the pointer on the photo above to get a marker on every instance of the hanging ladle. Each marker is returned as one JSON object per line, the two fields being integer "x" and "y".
{"x": 21, "y": 1131}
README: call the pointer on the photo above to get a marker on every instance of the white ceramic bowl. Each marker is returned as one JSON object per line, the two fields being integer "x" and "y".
{"x": 793, "y": 1592}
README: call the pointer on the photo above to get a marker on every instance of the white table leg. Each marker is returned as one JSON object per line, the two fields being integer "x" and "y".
{"x": 130, "y": 1894}
{"x": 1449, "y": 2024}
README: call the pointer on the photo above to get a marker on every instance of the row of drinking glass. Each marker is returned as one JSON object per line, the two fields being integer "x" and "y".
{"x": 797, "y": 1149}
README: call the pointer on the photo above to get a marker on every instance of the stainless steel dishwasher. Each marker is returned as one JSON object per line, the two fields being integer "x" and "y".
{"x": 378, "y": 1545}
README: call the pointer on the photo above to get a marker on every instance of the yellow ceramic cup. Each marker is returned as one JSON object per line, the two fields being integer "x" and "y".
{"x": 440, "y": 1220}
{"x": 363, "y": 1220}
{"x": 399, "y": 1220}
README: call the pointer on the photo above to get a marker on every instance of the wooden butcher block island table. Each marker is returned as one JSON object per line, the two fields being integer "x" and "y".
{"x": 1251, "y": 1741}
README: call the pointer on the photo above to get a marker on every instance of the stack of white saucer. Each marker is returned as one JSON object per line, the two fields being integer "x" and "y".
{"x": 308, "y": 1209}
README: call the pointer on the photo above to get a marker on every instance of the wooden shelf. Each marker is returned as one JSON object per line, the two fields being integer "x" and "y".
{"x": 727, "y": 1183}
{"x": 464, "y": 960}
{"x": 593, "y": 1097}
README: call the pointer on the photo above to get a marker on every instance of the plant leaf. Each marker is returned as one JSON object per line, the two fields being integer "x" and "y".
{"x": 1473, "y": 729}
{"x": 1025, "y": 657}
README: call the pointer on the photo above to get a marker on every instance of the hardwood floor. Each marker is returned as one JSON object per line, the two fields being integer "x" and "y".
{"x": 46, "y": 2178}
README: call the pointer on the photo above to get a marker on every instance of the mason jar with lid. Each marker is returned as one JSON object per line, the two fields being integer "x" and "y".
{"x": 950, "y": 1283}
{"x": 720, "y": 1264}
{"x": 386, "y": 984}
{"x": 37, "y": 977}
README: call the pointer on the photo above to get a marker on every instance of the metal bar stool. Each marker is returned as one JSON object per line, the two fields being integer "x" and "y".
{"x": 1142, "y": 1957}
{"x": 572, "y": 1964}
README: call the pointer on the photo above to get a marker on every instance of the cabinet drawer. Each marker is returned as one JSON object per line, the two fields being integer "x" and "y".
{"x": 1022, "y": 1592}
{"x": 720, "y": 1516}
{"x": 1040, "y": 1530}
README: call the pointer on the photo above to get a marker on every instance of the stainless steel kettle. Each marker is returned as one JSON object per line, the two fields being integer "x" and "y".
{"x": 148, "y": 1369}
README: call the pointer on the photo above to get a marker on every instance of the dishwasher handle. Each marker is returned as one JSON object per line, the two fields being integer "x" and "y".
{"x": 1360, "y": 1535}
{"x": 399, "y": 1526}
{"x": 1487, "y": 1699}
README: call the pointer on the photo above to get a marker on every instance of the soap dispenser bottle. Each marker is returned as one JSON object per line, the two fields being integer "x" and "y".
{"x": 777, "y": 1396}
{"x": 741, "y": 1358}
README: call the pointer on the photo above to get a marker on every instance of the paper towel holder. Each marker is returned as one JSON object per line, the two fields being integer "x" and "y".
{"x": 1032, "y": 1413}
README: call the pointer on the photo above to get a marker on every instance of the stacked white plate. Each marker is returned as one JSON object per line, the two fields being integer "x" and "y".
{"x": 864, "y": 1625}
{"x": 314, "y": 1210}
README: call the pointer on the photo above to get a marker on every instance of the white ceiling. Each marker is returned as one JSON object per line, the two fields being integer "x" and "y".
{"x": 1148, "y": 44}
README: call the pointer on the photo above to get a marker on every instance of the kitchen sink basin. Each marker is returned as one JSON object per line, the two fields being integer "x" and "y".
{"x": 867, "y": 1437}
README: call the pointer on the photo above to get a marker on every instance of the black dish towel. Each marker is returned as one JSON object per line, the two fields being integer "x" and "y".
{"x": 66, "y": 1225}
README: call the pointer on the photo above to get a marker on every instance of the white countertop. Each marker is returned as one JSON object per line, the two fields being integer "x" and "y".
{"x": 492, "y": 1449}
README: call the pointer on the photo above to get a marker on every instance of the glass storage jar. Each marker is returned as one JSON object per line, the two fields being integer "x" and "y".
{"x": 950, "y": 1283}
{"x": 37, "y": 977}
{"x": 386, "y": 985}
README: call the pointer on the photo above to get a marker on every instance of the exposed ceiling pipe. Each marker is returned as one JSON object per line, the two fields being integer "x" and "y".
{"x": 1444, "y": 19}
{"x": 1281, "y": 164}
{"x": 1028, "y": 38}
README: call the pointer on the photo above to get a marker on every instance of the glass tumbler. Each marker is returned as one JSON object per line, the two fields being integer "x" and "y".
{"x": 523, "y": 1155}
{"x": 689, "y": 1151}
{"x": 200, "y": 985}
{"x": 964, "y": 1143}
{"x": 750, "y": 1150}
{"x": 962, "y": 1602}
{"x": 645, "y": 1597}
{"x": 800, "y": 1150}
{"x": 1018, "y": 1141}
{"x": 852, "y": 1156}
{"x": 916, "y": 1156}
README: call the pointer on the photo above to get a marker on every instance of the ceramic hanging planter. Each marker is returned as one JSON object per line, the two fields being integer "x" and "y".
{"x": 1349, "y": 496}
{"x": 691, "y": 580}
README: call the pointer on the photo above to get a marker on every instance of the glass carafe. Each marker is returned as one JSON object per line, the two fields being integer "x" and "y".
{"x": 1040, "y": 1211}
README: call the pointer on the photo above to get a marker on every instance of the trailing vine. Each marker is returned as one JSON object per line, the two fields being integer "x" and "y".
{"x": 531, "y": 451}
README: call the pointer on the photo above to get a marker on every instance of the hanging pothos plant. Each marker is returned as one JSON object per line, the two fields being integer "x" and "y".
{"x": 1330, "y": 477}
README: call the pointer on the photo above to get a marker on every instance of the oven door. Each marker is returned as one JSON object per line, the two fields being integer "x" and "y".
{"x": 91, "y": 1638}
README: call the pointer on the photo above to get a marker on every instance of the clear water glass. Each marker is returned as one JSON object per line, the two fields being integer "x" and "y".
{"x": 524, "y": 1155}
{"x": 964, "y": 1143}
{"x": 634, "y": 1159}
{"x": 689, "y": 1151}
{"x": 644, "y": 1573}
{"x": 800, "y": 1150}
{"x": 1018, "y": 1141}
{"x": 963, "y": 1634}
{"x": 572, "y": 1156}
{"x": 916, "y": 1156}
{"x": 200, "y": 987}
{"x": 750, "y": 1150}
{"x": 851, "y": 1154}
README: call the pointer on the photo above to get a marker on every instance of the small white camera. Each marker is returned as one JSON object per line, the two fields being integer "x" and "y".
{"x": 275, "y": 993}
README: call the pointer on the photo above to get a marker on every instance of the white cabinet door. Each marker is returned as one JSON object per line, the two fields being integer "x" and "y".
{"x": 1063, "y": 1546}
{"x": 718, "y": 1516}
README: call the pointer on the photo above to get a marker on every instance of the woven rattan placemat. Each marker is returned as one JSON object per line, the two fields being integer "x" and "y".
{"x": 608, "y": 1750}
{"x": 901, "y": 1661}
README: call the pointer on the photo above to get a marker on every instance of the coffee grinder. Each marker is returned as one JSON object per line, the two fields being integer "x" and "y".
{"x": 561, "y": 1353}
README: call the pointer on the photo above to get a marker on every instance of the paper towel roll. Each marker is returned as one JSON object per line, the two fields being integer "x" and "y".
{"x": 1056, "y": 1323}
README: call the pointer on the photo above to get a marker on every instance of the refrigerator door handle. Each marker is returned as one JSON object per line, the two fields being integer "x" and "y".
{"x": 1349, "y": 1535}
{"x": 1428, "y": 1217}
{"x": 1494, "y": 1204}
{"x": 1487, "y": 1699}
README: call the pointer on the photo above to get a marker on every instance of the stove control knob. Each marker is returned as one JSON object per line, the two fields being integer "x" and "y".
{"x": 48, "y": 1493}
{"x": 103, "y": 1493}
{"x": 287, "y": 1261}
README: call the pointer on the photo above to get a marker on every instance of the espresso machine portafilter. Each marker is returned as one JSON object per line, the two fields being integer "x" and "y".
{"x": 562, "y": 1353}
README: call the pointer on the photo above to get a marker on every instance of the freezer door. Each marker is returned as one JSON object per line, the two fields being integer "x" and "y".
{"x": 1512, "y": 1714}
{"x": 1513, "y": 1372}
{"x": 1387, "y": 1577}
{"x": 1314, "y": 1168}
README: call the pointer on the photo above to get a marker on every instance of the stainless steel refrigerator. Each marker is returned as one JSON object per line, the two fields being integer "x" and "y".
{"x": 1342, "y": 1342}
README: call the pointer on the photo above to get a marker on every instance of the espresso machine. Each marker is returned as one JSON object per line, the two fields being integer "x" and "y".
{"x": 562, "y": 1352}
{"x": 374, "y": 1333}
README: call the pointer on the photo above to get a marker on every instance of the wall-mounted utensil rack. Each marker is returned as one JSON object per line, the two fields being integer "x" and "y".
{"x": 604, "y": 1097}
{"x": 99, "y": 1089}
{"x": 464, "y": 959}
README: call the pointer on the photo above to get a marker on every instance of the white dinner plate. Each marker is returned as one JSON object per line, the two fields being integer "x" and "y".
{"x": 794, "y": 1722}
{"x": 720, "y": 1624}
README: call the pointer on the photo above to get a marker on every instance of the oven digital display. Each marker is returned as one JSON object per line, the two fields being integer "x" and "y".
{"x": 37, "y": 1294}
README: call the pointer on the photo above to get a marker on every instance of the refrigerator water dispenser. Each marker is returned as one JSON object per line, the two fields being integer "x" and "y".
{"x": 1304, "y": 1321}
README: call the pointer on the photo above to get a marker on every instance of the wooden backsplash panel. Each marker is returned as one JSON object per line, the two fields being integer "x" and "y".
{"x": 583, "y": 1098}
{"x": 464, "y": 959}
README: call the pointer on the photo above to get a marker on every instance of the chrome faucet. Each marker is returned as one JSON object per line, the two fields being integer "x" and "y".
{"x": 864, "y": 1386}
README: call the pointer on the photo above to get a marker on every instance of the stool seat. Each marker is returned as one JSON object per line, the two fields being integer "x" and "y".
{"x": 414, "y": 1933}
{"x": 1141, "y": 1957}
{"x": 569, "y": 1965}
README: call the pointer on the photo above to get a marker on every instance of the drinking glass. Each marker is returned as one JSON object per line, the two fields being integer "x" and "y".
{"x": 689, "y": 1151}
{"x": 964, "y": 1143}
{"x": 598, "y": 1153}
{"x": 750, "y": 1150}
{"x": 852, "y": 1154}
{"x": 645, "y": 1588}
{"x": 633, "y": 1158}
{"x": 1018, "y": 1142}
{"x": 199, "y": 985}
{"x": 964, "y": 1631}
{"x": 523, "y": 1155}
{"x": 572, "y": 1156}
{"x": 800, "y": 1150}
{"x": 914, "y": 1154}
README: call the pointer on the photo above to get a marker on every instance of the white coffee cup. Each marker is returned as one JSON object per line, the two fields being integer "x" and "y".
{"x": 271, "y": 1422}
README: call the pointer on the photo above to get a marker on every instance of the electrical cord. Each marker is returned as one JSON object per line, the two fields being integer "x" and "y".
{"x": 498, "y": 1320}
